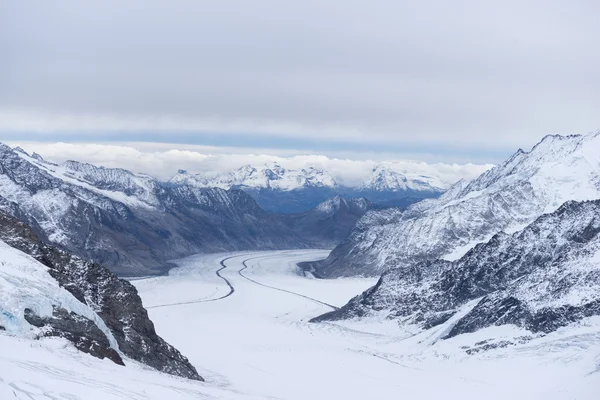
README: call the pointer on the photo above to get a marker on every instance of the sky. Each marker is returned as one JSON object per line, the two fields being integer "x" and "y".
{"x": 434, "y": 81}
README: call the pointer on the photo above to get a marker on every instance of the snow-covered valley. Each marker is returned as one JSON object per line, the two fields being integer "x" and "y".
{"x": 247, "y": 332}
{"x": 258, "y": 340}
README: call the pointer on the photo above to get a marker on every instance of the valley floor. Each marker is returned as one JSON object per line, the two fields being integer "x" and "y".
{"x": 246, "y": 330}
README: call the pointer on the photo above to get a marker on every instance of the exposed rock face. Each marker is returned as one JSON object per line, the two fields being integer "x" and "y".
{"x": 505, "y": 198}
{"x": 132, "y": 223}
{"x": 82, "y": 332}
{"x": 541, "y": 278}
{"x": 116, "y": 301}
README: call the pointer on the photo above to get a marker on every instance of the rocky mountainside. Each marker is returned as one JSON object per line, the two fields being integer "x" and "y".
{"x": 330, "y": 222}
{"x": 541, "y": 278}
{"x": 281, "y": 190}
{"x": 505, "y": 198}
{"x": 45, "y": 291}
{"x": 129, "y": 222}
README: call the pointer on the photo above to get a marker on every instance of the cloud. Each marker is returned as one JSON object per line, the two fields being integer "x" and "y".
{"x": 163, "y": 161}
{"x": 435, "y": 76}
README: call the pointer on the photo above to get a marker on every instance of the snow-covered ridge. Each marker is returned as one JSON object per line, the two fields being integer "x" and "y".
{"x": 389, "y": 176}
{"x": 385, "y": 178}
{"x": 505, "y": 198}
{"x": 117, "y": 184}
{"x": 130, "y": 222}
{"x": 541, "y": 278}
{"x": 268, "y": 176}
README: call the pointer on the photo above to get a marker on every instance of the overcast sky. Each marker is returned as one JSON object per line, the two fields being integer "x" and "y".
{"x": 454, "y": 81}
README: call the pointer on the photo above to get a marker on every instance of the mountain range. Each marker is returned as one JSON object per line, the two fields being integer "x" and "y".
{"x": 541, "y": 278}
{"x": 130, "y": 222}
{"x": 506, "y": 198}
{"x": 282, "y": 190}
{"x": 134, "y": 223}
{"x": 517, "y": 246}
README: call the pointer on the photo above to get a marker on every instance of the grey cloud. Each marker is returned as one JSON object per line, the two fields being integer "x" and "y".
{"x": 454, "y": 73}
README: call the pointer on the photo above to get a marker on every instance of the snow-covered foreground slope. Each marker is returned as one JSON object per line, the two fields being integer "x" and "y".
{"x": 247, "y": 331}
{"x": 249, "y": 325}
{"x": 52, "y": 370}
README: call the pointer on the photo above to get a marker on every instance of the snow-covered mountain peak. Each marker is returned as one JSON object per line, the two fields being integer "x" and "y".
{"x": 505, "y": 198}
{"x": 268, "y": 176}
{"x": 558, "y": 168}
{"x": 385, "y": 178}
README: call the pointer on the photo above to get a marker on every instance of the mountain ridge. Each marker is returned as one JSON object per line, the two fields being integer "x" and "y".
{"x": 131, "y": 222}
{"x": 281, "y": 190}
{"x": 541, "y": 278}
{"x": 505, "y": 198}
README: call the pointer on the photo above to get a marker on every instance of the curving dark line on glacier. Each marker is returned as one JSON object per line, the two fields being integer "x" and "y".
{"x": 279, "y": 289}
{"x": 218, "y": 272}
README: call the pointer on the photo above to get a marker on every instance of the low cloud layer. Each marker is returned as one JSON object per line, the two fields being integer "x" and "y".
{"x": 164, "y": 162}
{"x": 434, "y": 76}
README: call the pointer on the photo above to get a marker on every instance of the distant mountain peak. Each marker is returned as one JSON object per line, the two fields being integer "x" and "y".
{"x": 267, "y": 176}
{"x": 385, "y": 178}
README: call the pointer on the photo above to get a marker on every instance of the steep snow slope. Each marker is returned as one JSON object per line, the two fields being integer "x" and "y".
{"x": 505, "y": 198}
{"x": 541, "y": 278}
{"x": 131, "y": 223}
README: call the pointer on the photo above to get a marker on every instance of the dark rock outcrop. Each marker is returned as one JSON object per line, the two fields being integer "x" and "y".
{"x": 77, "y": 329}
{"x": 541, "y": 278}
{"x": 116, "y": 302}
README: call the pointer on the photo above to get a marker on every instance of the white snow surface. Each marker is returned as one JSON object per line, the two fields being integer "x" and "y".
{"x": 257, "y": 344}
{"x": 260, "y": 341}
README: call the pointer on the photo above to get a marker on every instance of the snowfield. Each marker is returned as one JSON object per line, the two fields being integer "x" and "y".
{"x": 258, "y": 340}
{"x": 247, "y": 331}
